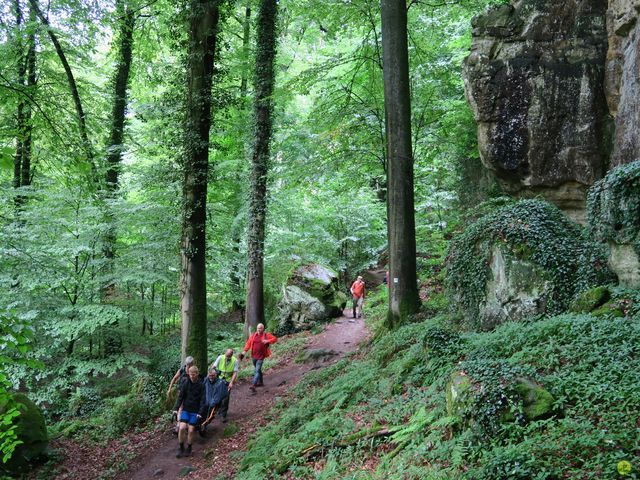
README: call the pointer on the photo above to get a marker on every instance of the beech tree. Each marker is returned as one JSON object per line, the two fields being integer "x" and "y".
{"x": 203, "y": 20}
{"x": 403, "y": 291}
{"x": 73, "y": 86}
{"x": 263, "y": 108}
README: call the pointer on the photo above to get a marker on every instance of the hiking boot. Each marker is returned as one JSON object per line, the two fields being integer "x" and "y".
{"x": 188, "y": 452}
{"x": 259, "y": 384}
{"x": 180, "y": 451}
{"x": 253, "y": 389}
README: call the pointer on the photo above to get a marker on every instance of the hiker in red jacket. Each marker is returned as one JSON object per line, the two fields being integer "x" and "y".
{"x": 357, "y": 292}
{"x": 258, "y": 343}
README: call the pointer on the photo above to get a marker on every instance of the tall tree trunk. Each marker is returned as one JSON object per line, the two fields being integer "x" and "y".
{"x": 204, "y": 17}
{"x": 403, "y": 292}
{"x": 144, "y": 312}
{"x": 22, "y": 71}
{"x": 264, "y": 80}
{"x": 246, "y": 30}
{"x": 26, "y": 79}
{"x": 236, "y": 277}
{"x": 126, "y": 18}
{"x": 27, "y": 148}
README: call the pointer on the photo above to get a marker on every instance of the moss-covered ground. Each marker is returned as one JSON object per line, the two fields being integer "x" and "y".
{"x": 381, "y": 414}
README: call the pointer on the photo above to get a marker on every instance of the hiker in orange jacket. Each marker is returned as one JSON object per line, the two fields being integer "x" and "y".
{"x": 357, "y": 292}
{"x": 258, "y": 343}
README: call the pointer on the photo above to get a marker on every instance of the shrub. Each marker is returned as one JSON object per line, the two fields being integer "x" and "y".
{"x": 83, "y": 401}
{"x": 135, "y": 408}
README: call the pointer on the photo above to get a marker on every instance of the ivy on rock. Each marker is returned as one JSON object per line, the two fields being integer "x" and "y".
{"x": 547, "y": 255}
{"x": 613, "y": 206}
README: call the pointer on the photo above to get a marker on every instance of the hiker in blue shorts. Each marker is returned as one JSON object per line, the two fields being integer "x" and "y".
{"x": 191, "y": 398}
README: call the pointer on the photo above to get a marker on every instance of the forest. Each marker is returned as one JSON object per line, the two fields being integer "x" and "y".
{"x": 174, "y": 173}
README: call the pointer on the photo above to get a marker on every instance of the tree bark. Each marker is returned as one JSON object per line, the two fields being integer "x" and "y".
{"x": 263, "y": 108}
{"x": 403, "y": 292}
{"x": 204, "y": 15}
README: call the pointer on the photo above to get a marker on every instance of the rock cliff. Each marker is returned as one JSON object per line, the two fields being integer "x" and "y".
{"x": 535, "y": 82}
{"x": 622, "y": 78}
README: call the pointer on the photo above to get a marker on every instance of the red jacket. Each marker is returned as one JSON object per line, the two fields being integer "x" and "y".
{"x": 262, "y": 350}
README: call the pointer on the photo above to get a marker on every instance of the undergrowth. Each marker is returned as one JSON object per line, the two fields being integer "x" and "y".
{"x": 382, "y": 414}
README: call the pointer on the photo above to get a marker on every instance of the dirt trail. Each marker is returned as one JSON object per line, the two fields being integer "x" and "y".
{"x": 212, "y": 456}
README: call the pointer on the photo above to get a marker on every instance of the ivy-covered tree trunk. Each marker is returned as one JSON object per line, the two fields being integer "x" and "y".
{"x": 204, "y": 16}
{"x": 22, "y": 71}
{"x": 126, "y": 21}
{"x": 263, "y": 107}
{"x": 403, "y": 292}
{"x": 26, "y": 79}
{"x": 246, "y": 31}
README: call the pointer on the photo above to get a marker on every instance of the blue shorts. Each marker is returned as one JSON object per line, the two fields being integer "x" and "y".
{"x": 188, "y": 417}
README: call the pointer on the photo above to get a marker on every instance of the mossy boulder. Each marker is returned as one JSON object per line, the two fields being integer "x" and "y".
{"x": 311, "y": 296}
{"x": 520, "y": 260}
{"x": 31, "y": 431}
{"x": 613, "y": 308}
{"x": 590, "y": 299}
{"x": 463, "y": 394}
{"x": 298, "y": 310}
{"x": 537, "y": 403}
{"x": 613, "y": 213}
{"x": 322, "y": 283}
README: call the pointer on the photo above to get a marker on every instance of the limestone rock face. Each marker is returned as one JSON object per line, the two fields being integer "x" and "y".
{"x": 622, "y": 80}
{"x": 614, "y": 218}
{"x": 518, "y": 289}
{"x": 534, "y": 80}
{"x": 624, "y": 261}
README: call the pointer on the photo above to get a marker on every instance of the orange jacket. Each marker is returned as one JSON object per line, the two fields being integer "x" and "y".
{"x": 269, "y": 337}
{"x": 357, "y": 289}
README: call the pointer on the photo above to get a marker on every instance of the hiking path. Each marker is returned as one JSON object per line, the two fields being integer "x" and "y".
{"x": 213, "y": 455}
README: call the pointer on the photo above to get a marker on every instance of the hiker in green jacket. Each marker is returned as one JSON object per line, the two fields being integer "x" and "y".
{"x": 228, "y": 365}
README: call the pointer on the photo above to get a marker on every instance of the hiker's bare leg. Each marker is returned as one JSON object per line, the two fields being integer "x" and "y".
{"x": 182, "y": 433}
